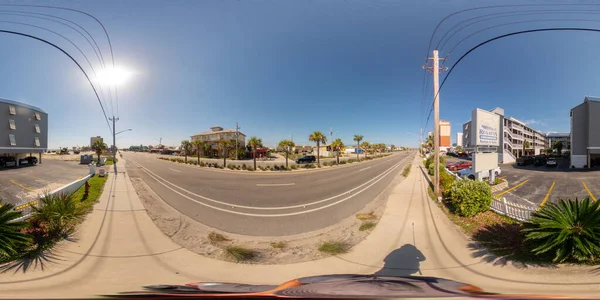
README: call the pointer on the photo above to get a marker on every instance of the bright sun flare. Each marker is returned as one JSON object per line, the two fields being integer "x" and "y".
{"x": 113, "y": 76}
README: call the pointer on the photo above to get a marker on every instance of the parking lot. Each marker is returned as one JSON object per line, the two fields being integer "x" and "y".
{"x": 25, "y": 183}
{"x": 537, "y": 185}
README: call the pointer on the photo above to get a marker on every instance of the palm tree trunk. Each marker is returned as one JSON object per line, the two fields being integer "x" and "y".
{"x": 254, "y": 157}
{"x": 198, "y": 155}
{"x": 224, "y": 159}
{"x": 357, "y": 145}
{"x": 286, "y": 159}
{"x": 318, "y": 156}
{"x": 338, "y": 157}
{"x": 185, "y": 158}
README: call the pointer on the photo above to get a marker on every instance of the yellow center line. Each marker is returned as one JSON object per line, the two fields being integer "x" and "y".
{"x": 512, "y": 188}
{"x": 22, "y": 186}
{"x": 589, "y": 192}
{"x": 547, "y": 195}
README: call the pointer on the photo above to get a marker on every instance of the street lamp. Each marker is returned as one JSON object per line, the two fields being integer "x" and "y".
{"x": 123, "y": 131}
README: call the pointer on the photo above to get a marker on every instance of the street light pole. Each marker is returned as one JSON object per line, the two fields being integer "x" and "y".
{"x": 113, "y": 119}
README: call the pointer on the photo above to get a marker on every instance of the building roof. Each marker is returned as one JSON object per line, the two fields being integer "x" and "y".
{"x": 591, "y": 98}
{"x": 21, "y": 104}
{"x": 226, "y": 130}
{"x": 558, "y": 134}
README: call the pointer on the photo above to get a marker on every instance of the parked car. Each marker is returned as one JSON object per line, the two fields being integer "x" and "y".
{"x": 525, "y": 160}
{"x": 551, "y": 163}
{"x": 458, "y": 165}
{"x": 29, "y": 160}
{"x": 8, "y": 161}
{"x": 540, "y": 160}
{"x": 469, "y": 174}
{"x": 452, "y": 154}
{"x": 306, "y": 159}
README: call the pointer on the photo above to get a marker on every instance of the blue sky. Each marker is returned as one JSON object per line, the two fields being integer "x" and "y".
{"x": 283, "y": 68}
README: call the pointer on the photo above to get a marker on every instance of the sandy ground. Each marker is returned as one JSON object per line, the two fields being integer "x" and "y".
{"x": 69, "y": 157}
{"x": 193, "y": 235}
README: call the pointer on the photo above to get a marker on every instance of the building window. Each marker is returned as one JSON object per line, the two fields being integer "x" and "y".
{"x": 37, "y": 128}
{"x": 12, "y": 109}
{"x": 37, "y": 141}
{"x": 37, "y": 116}
{"x": 11, "y": 124}
{"x": 11, "y": 137}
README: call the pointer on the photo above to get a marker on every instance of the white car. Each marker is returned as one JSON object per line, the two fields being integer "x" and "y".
{"x": 468, "y": 173}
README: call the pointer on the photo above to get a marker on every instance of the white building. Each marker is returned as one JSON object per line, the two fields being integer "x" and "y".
{"x": 513, "y": 138}
{"x": 459, "y": 139}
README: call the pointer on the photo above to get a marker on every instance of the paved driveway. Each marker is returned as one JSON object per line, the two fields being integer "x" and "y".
{"x": 17, "y": 184}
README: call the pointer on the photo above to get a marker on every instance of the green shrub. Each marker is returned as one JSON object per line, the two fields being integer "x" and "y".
{"x": 406, "y": 170}
{"x": 446, "y": 182}
{"x": 282, "y": 168}
{"x": 294, "y": 167}
{"x": 244, "y": 167}
{"x": 251, "y": 169}
{"x": 351, "y": 160}
{"x": 309, "y": 166}
{"x": 202, "y": 164}
{"x": 60, "y": 213}
{"x": 342, "y": 162}
{"x": 429, "y": 161}
{"x": 368, "y": 225}
{"x": 231, "y": 167}
{"x": 470, "y": 197}
{"x": 11, "y": 237}
{"x": 570, "y": 229}
{"x": 239, "y": 253}
{"x": 334, "y": 247}
{"x": 238, "y": 167}
{"x": 431, "y": 168}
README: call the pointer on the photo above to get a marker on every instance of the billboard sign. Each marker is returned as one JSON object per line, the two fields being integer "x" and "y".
{"x": 485, "y": 128}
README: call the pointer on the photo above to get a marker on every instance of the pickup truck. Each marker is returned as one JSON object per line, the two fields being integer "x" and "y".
{"x": 468, "y": 173}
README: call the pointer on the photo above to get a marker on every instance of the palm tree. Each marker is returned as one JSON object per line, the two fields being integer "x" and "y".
{"x": 337, "y": 146}
{"x": 558, "y": 145}
{"x": 224, "y": 146}
{"x": 365, "y": 146}
{"x": 254, "y": 142}
{"x": 99, "y": 147}
{"x": 199, "y": 144}
{"x": 570, "y": 229}
{"x": 11, "y": 238}
{"x": 287, "y": 145}
{"x": 526, "y": 144}
{"x": 318, "y": 137}
{"x": 186, "y": 146}
{"x": 357, "y": 139}
{"x": 206, "y": 148}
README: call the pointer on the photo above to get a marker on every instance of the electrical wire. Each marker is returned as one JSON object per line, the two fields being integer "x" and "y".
{"x": 68, "y": 40}
{"x": 73, "y": 59}
{"x": 80, "y": 12}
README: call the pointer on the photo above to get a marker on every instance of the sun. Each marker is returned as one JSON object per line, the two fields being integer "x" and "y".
{"x": 113, "y": 76}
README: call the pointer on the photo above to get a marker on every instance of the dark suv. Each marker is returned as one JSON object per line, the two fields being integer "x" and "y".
{"x": 8, "y": 161}
{"x": 306, "y": 159}
{"x": 28, "y": 161}
{"x": 525, "y": 160}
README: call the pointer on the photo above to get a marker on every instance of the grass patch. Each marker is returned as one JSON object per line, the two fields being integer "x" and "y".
{"x": 406, "y": 170}
{"x": 96, "y": 187}
{"x": 366, "y": 216}
{"x": 368, "y": 225}
{"x": 239, "y": 253}
{"x": 334, "y": 247}
{"x": 217, "y": 237}
{"x": 279, "y": 245}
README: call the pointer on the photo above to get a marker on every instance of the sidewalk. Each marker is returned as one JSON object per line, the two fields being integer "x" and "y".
{"x": 120, "y": 249}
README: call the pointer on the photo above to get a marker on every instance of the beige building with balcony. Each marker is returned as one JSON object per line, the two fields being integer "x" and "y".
{"x": 217, "y": 134}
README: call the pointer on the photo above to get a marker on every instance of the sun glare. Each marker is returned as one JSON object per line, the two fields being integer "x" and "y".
{"x": 113, "y": 76}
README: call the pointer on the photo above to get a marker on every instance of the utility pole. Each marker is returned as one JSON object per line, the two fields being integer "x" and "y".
{"x": 113, "y": 119}
{"x": 237, "y": 138}
{"x": 435, "y": 70}
{"x": 421, "y": 141}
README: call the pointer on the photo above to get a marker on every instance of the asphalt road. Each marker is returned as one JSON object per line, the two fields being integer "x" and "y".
{"x": 18, "y": 184}
{"x": 273, "y": 204}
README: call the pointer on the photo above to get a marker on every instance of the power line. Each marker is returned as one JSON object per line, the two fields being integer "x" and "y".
{"x": 73, "y": 59}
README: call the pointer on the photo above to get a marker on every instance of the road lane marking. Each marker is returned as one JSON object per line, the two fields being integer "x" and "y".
{"x": 512, "y": 188}
{"x": 376, "y": 179}
{"x": 174, "y": 170}
{"x": 364, "y": 169}
{"x": 274, "y": 184}
{"x": 385, "y": 173}
{"x": 589, "y": 192}
{"x": 547, "y": 195}
{"x": 22, "y": 186}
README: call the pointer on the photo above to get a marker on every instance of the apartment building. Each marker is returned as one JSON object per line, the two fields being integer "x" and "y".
{"x": 217, "y": 134}
{"x": 459, "y": 139}
{"x": 445, "y": 130}
{"x": 563, "y": 137}
{"x": 26, "y": 131}
{"x": 517, "y": 138}
{"x": 585, "y": 133}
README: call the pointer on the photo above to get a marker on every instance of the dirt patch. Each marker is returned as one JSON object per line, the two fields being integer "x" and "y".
{"x": 194, "y": 236}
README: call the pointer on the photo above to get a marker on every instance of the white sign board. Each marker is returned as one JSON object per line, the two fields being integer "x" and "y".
{"x": 485, "y": 128}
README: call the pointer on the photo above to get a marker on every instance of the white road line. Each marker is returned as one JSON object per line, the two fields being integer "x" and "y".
{"x": 279, "y": 215}
{"x": 161, "y": 180}
{"x": 274, "y": 184}
{"x": 174, "y": 170}
{"x": 364, "y": 169}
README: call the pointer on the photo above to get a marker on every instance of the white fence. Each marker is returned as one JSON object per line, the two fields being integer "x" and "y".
{"x": 512, "y": 210}
{"x": 25, "y": 206}
{"x": 452, "y": 173}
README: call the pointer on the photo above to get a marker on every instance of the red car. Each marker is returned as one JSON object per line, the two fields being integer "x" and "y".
{"x": 458, "y": 165}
